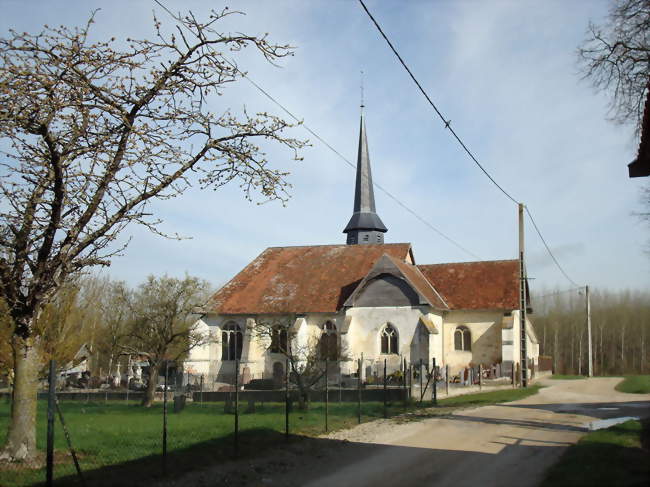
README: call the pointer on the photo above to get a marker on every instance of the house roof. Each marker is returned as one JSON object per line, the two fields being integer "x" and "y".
{"x": 476, "y": 285}
{"x": 640, "y": 167}
{"x": 315, "y": 279}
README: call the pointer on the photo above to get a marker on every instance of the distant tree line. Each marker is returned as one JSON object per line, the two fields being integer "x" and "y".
{"x": 154, "y": 322}
{"x": 620, "y": 322}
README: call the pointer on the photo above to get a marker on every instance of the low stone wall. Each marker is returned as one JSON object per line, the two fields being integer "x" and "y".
{"x": 345, "y": 395}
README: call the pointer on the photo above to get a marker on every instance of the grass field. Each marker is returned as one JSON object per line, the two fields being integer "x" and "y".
{"x": 116, "y": 441}
{"x": 613, "y": 456}
{"x": 635, "y": 384}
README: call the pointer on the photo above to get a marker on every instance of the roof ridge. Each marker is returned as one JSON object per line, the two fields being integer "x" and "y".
{"x": 469, "y": 262}
{"x": 415, "y": 284}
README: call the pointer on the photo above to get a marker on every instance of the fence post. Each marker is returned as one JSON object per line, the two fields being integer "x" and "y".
{"x": 404, "y": 372}
{"x": 51, "y": 398}
{"x": 327, "y": 395}
{"x": 286, "y": 401}
{"x": 164, "y": 456}
{"x": 69, "y": 441}
{"x": 480, "y": 377}
{"x": 201, "y": 391}
{"x": 359, "y": 392}
{"x": 236, "y": 407}
{"x": 447, "y": 379}
{"x": 385, "y": 405}
{"x": 435, "y": 384}
{"x": 421, "y": 388}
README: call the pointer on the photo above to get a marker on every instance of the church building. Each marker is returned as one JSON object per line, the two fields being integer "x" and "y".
{"x": 363, "y": 299}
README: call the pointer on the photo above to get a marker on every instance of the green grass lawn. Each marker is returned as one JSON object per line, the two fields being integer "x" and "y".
{"x": 613, "y": 456}
{"x": 116, "y": 441}
{"x": 567, "y": 377}
{"x": 635, "y": 384}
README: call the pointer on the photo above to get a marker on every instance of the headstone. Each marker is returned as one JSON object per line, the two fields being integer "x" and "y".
{"x": 228, "y": 405}
{"x": 179, "y": 403}
{"x": 251, "y": 406}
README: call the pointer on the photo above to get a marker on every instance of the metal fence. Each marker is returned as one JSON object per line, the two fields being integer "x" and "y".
{"x": 107, "y": 438}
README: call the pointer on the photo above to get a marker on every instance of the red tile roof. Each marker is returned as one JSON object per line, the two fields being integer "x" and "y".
{"x": 476, "y": 285}
{"x": 301, "y": 279}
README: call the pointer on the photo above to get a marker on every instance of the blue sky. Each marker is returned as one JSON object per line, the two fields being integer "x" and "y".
{"x": 504, "y": 72}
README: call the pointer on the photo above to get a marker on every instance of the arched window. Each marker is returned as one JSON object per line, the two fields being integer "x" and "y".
{"x": 329, "y": 343}
{"x": 279, "y": 340}
{"x": 231, "y": 341}
{"x": 389, "y": 339}
{"x": 462, "y": 339}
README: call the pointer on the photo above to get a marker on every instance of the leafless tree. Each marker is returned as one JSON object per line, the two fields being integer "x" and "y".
{"x": 92, "y": 133}
{"x": 163, "y": 326}
{"x": 307, "y": 359}
{"x": 616, "y": 58}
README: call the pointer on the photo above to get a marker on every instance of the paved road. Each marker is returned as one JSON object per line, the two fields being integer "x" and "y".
{"x": 503, "y": 445}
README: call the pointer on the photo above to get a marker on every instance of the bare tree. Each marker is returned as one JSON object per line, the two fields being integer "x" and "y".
{"x": 306, "y": 360}
{"x": 164, "y": 323}
{"x": 92, "y": 133}
{"x": 616, "y": 58}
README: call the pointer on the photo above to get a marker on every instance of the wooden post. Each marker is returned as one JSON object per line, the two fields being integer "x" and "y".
{"x": 164, "y": 455}
{"x": 51, "y": 404}
{"x": 404, "y": 372}
{"x": 590, "y": 353}
{"x": 480, "y": 377}
{"x": 286, "y": 400}
{"x": 359, "y": 393}
{"x": 514, "y": 384}
{"x": 128, "y": 373}
{"x": 236, "y": 406}
{"x": 201, "y": 391}
{"x": 327, "y": 395}
{"x": 421, "y": 388}
{"x": 435, "y": 384}
{"x": 385, "y": 405}
{"x": 447, "y": 379}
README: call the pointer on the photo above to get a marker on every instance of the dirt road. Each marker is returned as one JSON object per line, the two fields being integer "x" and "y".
{"x": 501, "y": 445}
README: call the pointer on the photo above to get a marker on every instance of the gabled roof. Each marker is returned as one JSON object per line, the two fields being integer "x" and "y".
{"x": 309, "y": 279}
{"x": 476, "y": 285}
{"x": 388, "y": 264}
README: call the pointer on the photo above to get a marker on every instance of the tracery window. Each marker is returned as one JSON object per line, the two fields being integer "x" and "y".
{"x": 231, "y": 341}
{"x": 279, "y": 340}
{"x": 389, "y": 343}
{"x": 329, "y": 343}
{"x": 462, "y": 339}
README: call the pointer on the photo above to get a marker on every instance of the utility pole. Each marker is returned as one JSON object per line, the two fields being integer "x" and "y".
{"x": 590, "y": 353}
{"x": 523, "y": 379}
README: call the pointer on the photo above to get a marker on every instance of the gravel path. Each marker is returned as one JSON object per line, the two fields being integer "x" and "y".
{"x": 500, "y": 445}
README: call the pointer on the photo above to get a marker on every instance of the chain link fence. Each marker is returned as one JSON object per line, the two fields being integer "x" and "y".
{"x": 107, "y": 438}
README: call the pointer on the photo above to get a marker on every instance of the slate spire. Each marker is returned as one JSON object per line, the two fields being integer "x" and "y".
{"x": 365, "y": 226}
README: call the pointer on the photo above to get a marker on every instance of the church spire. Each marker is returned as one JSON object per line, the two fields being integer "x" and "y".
{"x": 365, "y": 226}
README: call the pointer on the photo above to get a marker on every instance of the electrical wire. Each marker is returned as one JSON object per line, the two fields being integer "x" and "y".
{"x": 444, "y": 120}
{"x": 457, "y": 137}
{"x": 329, "y": 146}
{"x": 548, "y": 249}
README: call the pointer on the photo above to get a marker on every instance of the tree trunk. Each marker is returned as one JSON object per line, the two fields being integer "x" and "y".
{"x": 147, "y": 400}
{"x": 20, "y": 444}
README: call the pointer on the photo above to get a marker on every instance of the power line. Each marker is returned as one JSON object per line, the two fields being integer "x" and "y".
{"x": 457, "y": 137}
{"x": 444, "y": 120}
{"x": 558, "y": 293}
{"x": 548, "y": 249}
{"x": 329, "y": 146}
